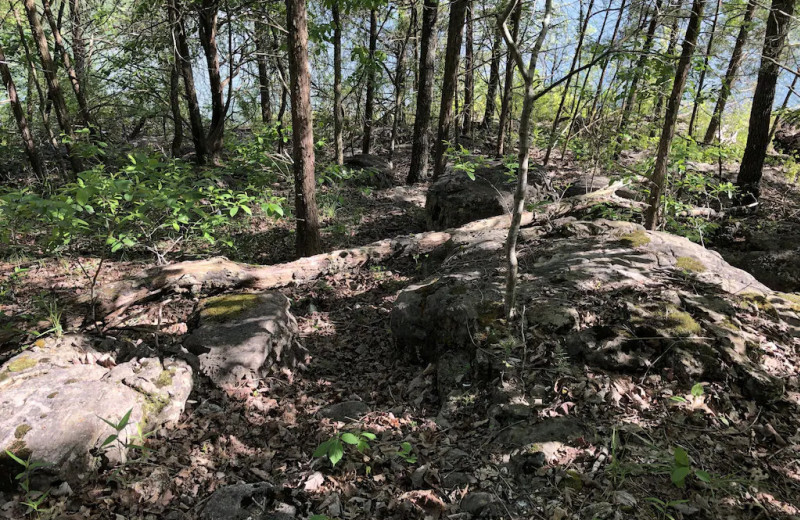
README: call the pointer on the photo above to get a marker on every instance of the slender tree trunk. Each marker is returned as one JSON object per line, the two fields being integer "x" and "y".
{"x": 175, "y": 106}
{"x": 730, "y": 73}
{"x": 505, "y": 102}
{"x": 207, "y": 27}
{"x": 575, "y": 59}
{"x": 71, "y": 74}
{"x": 494, "y": 80}
{"x": 399, "y": 85}
{"x": 469, "y": 73}
{"x": 420, "y": 148}
{"x": 528, "y": 75}
{"x": 338, "y": 111}
{"x": 698, "y": 95}
{"x": 369, "y": 103}
{"x": 789, "y": 92}
{"x": 51, "y": 75}
{"x": 638, "y": 70}
{"x": 455, "y": 26}
{"x": 667, "y": 74}
{"x": 578, "y": 103}
{"x": 750, "y": 169}
{"x": 599, "y": 92}
{"x": 308, "y": 238}
{"x": 284, "y": 90}
{"x": 19, "y": 116}
{"x": 671, "y": 116}
{"x": 78, "y": 45}
{"x": 263, "y": 72}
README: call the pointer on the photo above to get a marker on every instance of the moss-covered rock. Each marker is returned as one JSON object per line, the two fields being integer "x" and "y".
{"x": 227, "y": 306}
{"x": 690, "y": 264}
{"x": 21, "y": 363}
{"x": 637, "y": 238}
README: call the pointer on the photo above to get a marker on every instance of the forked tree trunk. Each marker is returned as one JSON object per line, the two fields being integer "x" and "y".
{"x": 671, "y": 115}
{"x": 730, "y": 73}
{"x": 185, "y": 60}
{"x": 308, "y": 238}
{"x": 469, "y": 73}
{"x": 750, "y": 170}
{"x": 455, "y": 26}
{"x": 420, "y": 148}
{"x": 369, "y": 103}
{"x": 53, "y": 85}
{"x": 19, "y": 116}
{"x": 207, "y": 28}
{"x": 338, "y": 111}
{"x": 494, "y": 80}
{"x": 505, "y": 102}
{"x": 698, "y": 95}
{"x": 575, "y": 59}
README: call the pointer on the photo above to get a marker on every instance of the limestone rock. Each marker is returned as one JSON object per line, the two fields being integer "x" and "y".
{"x": 53, "y": 396}
{"x": 242, "y": 336}
{"x": 345, "y": 411}
{"x": 369, "y": 170}
{"x": 259, "y": 501}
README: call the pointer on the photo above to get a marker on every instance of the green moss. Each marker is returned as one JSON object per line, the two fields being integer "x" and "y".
{"x": 793, "y": 298}
{"x": 50, "y": 396}
{"x": 637, "y": 238}
{"x": 760, "y": 301}
{"x": 22, "y": 430}
{"x": 221, "y": 308}
{"x": 152, "y": 406}
{"x": 21, "y": 363}
{"x": 681, "y": 323}
{"x": 690, "y": 264}
{"x": 728, "y": 324}
{"x": 4, "y": 376}
{"x": 165, "y": 378}
{"x": 70, "y": 381}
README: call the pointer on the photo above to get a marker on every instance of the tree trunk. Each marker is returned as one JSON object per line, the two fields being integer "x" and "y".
{"x": 308, "y": 239}
{"x": 420, "y": 148}
{"x": 71, "y": 74}
{"x": 369, "y": 103}
{"x": 399, "y": 85}
{"x": 51, "y": 75}
{"x": 185, "y": 59}
{"x": 505, "y": 102}
{"x": 730, "y": 73}
{"x": 575, "y": 59}
{"x": 263, "y": 72}
{"x": 667, "y": 74}
{"x": 750, "y": 170}
{"x": 207, "y": 28}
{"x": 638, "y": 71}
{"x": 671, "y": 116}
{"x": 494, "y": 80}
{"x": 338, "y": 111}
{"x": 789, "y": 92}
{"x": 698, "y": 95}
{"x": 175, "y": 104}
{"x": 78, "y": 45}
{"x": 469, "y": 73}
{"x": 19, "y": 116}
{"x": 599, "y": 92}
{"x": 458, "y": 11}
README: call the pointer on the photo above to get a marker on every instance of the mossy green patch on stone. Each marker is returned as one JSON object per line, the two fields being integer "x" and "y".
{"x": 793, "y": 298}
{"x": 165, "y": 378}
{"x": 152, "y": 406}
{"x": 760, "y": 301}
{"x": 227, "y": 306}
{"x": 21, "y": 363}
{"x": 681, "y": 323}
{"x": 22, "y": 430}
{"x": 19, "y": 448}
{"x": 70, "y": 381}
{"x": 690, "y": 264}
{"x": 637, "y": 238}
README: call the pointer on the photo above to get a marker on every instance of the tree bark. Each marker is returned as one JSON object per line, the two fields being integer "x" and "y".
{"x": 667, "y": 74}
{"x": 175, "y": 104}
{"x": 263, "y": 72}
{"x": 599, "y": 92}
{"x": 51, "y": 76}
{"x": 420, "y": 148}
{"x": 78, "y": 45}
{"x": 638, "y": 71}
{"x": 19, "y": 115}
{"x": 789, "y": 92}
{"x": 369, "y": 103}
{"x": 730, "y": 73}
{"x": 575, "y": 59}
{"x": 671, "y": 116}
{"x": 698, "y": 95}
{"x": 469, "y": 73}
{"x": 207, "y": 27}
{"x": 750, "y": 170}
{"x": 338, "y": 111}
{"x": 505, "y": 102}
{"x": 494, "y": 80}
{"x": 185, "y": 59}
{"x": 399, "y": 84}
{"x": 455, "y": 26}
{"x": 308, "y": 237}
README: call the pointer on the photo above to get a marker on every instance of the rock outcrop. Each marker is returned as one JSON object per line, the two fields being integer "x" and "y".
{"x": 54, "y": 395}
{"x": 369, "y": 170}
{"x": 242, "y": 337}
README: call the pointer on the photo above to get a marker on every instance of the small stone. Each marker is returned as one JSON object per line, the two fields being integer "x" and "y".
{"x": 345, "y": 411}
{"x": 625, "y": 500}
{"x": 476, "y": 502}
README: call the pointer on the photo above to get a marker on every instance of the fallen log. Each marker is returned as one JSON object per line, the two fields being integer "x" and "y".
{"x": 219, "y": 274}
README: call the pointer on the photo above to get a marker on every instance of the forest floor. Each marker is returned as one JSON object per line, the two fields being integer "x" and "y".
{"x": 269, "y": 434}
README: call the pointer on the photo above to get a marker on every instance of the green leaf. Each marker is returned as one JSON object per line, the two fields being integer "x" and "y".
{"x": 234, "y": 210}
{"x": 247, "y": 210}
{"x": 109, "y": 440}
{"x": 681, "y": 457}
{"x": 349, "y": 438}
{"x": 335, "y": 452}
{"x": 369, "y": 435}
{"x": 16, "y": 459}
{"x": 697, "y": 390}
{"x": 678, "y": 399}
{"x": 82, "y": 196}
{"x": 124, "y": 421}
{"x": 321, "y": 450}
{"x": 705, "y": 476}
{"x": 679, "y": 474}
{"x": 362, "y": 446}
